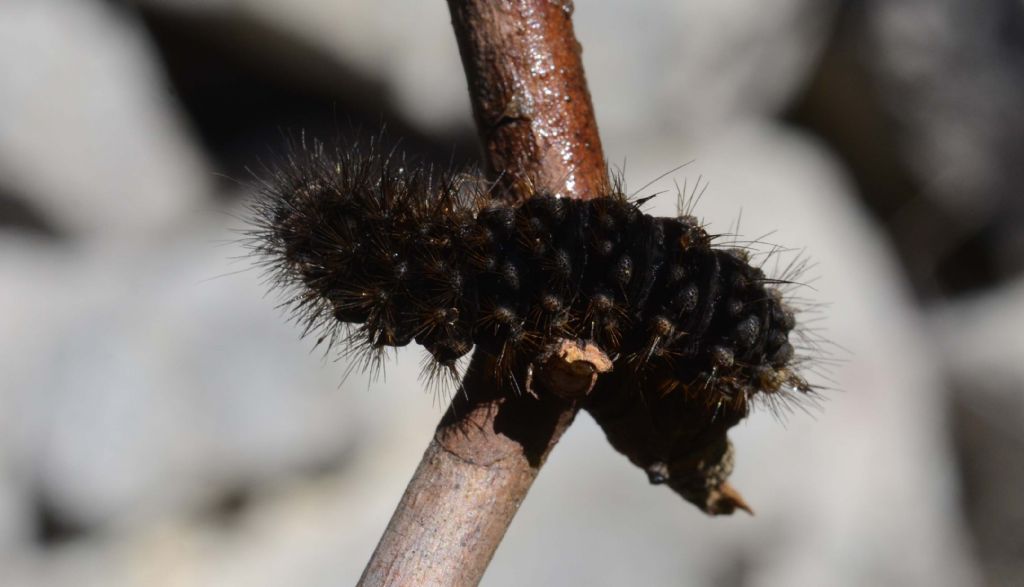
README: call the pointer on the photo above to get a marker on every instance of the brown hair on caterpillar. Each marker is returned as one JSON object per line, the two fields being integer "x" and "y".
{"x": 375, "y": 253}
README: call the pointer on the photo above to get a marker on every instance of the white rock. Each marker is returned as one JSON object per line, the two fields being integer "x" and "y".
{"x": 142, "y": 387}
{"x": 89, "y": 133}
{"x": 980, "y": 339}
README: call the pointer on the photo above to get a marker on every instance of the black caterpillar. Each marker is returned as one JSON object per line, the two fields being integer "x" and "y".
{"x": 379, "y": 254}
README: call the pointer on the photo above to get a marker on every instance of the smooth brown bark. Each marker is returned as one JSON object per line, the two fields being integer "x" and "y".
{"x": 536, "y": 122}
{"x": 476, "y": 471}
{"x": 530, "y": 98}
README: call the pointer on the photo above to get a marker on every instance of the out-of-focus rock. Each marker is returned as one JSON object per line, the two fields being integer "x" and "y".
{"x": 89, "y": 134}
{"x": 980, "y": 337}
{"x": 949, "y": 79}
{"x": 697, "y": 66}
{"x": 407, "y": 47}
{"x": 981, "y": 344}
{"x": 142, "y": 385}
{"x": 920, "y": 99}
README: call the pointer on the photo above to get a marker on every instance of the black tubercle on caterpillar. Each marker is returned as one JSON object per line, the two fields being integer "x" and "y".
{"x": 377, "y": 253}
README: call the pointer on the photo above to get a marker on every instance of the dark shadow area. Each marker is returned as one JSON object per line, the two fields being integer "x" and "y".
{"x": 848, "y": 104}
{"x": 528, "y": 420}
{"x": 53, "y": 527}
{"x": 989, "y": 446}
{"x": 17, "y": 212}
{"x": 246, "y": 87}
{"x": 228, "y": 507}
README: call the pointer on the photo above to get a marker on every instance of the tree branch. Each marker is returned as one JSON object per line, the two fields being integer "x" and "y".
{"x": 530, "y": 97}
{"x": 536, "y": 122}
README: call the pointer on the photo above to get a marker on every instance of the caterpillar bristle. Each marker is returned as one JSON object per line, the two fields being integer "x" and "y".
{"x": 409, "y": 254}
{"x": 377, "y": 252}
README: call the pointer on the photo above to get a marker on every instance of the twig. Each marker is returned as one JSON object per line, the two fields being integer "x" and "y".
{"x": 536, "y": 122}
{"x": 530, "y": 96}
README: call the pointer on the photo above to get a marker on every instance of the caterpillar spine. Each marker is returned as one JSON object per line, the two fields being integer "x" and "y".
{"x": 376, "y": 253}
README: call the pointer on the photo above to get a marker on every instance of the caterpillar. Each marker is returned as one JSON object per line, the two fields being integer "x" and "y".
{"x": 378, "y": 253}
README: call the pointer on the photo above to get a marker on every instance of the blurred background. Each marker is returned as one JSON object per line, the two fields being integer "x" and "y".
{"x": 162, "y": 424}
